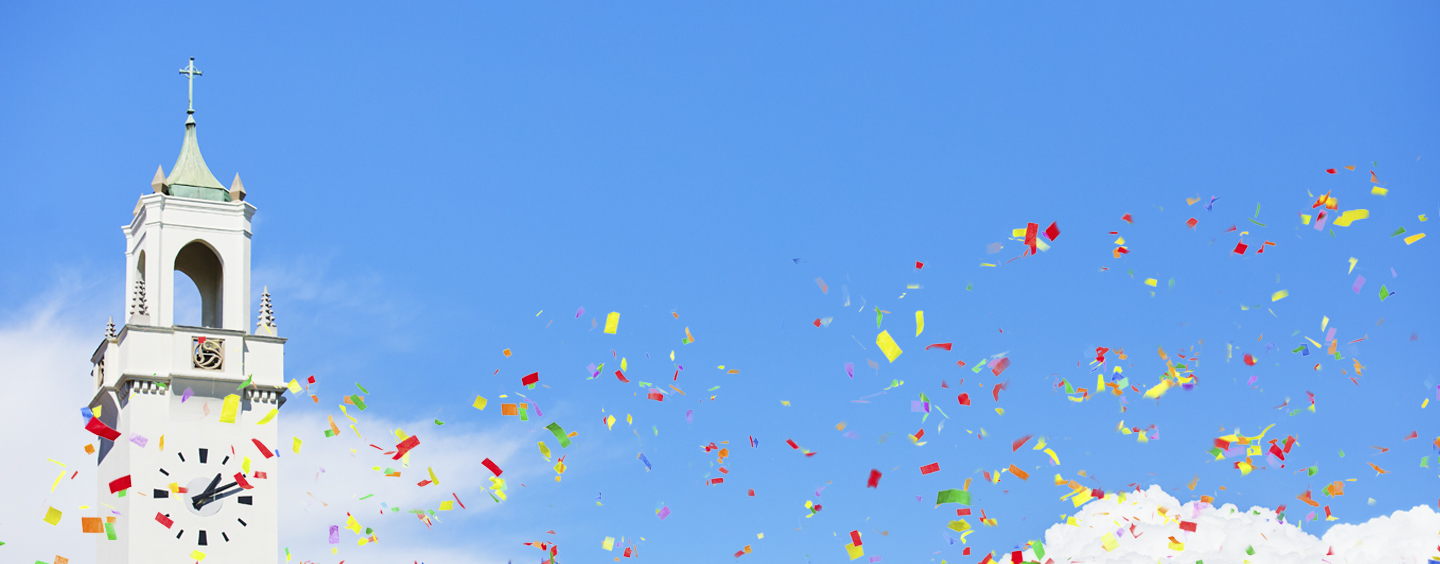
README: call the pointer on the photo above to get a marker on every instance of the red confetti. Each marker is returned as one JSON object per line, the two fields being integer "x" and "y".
{"x": 1249, "y": 360}
{"x": 1019, "y": 442}
{"x": 1053, "y": 231}
{"x": 492, "y": 466}
{"x": 817, "y": 322}
{"x": 261, "y": 446}
{"x": 874, "y": 481}
{"x": 855, "y": 538}
{"x": 919, "y": 265}
{"x": 1192, "y": 222}
{"x": 405, "y": 446}
{"x": 1240, "y": 248}
{"x": 531, "y": 378}
{"x": 964, "y": 399}
{"x": 1128, "y": 219}
{"x": 163, "y": 520}
{"x": 931, "y": 468}
{"x": 119, "y": 484}
{"x": 945, "y": 346}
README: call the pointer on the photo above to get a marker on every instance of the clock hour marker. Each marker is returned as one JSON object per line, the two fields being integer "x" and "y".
{"x": 162, "y": 494}
{"x": 182, "y": 457}
{"x": 227, "y": 459}
{"x": 177, "y": 535}
{"x": 242, "y": 500}
{"x": 227, "y": 537}
{"x": 242, "y": 523}
{"x": 202, "y": 539}
{"x": 204, "y": 455}
{"x": 162, "y": 471}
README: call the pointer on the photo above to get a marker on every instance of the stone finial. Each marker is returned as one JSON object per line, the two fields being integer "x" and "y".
{"x": 267, "y": 314}
{"x": 137, "y": 300}
{"x": 158, "y": 183}
{"x": 237, "y": 190}
{"x": 110, "y": 329}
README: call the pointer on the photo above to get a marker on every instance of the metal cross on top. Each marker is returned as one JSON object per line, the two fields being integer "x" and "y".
{"x": 191, "y": 72}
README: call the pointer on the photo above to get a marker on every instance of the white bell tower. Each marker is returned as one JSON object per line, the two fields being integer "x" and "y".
{"x": 193, "y": 411}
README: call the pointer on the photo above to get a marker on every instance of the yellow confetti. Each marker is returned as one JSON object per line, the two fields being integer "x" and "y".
{"x": 230, "y": 409}
{"x": 612, "y": 322}
{"x": 888, "y": 346}
{"x": 480, "y": 402}
{"x": 1151, "y": 282}
{"x": 1378, "y": 191}
{"x": 197, "y": 555}
{"x": 1350, "y": 216}
{"x": 919, "y": 322}
{"x": 296, "y": 445}
{"x": 268, "y": 417}
{"x": 1414, "y": 238}
{"x": 1353, "y": 260}
{"x": 53, "y": 516}
{"x": 1277, "y": 296}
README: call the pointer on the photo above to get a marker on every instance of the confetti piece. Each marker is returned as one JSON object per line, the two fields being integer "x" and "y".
{"x": 888, "y": 346}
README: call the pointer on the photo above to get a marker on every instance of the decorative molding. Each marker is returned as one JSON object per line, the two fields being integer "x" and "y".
{"x": 207, "y": 354}
{"x": 267, "y": 315}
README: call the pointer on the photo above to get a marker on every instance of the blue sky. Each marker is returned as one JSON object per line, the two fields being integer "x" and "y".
{"x": 429, "y": 179}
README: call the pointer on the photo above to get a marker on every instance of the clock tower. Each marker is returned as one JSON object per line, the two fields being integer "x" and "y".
{"x": 188, "y": 447}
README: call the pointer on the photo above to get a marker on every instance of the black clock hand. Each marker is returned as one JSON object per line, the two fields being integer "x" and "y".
{"x": 210, "y": 496}
{"x": 207, "y": 491}
{"x": 220, "y": 496}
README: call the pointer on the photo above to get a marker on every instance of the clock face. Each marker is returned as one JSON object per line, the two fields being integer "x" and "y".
{"x": 212, "y": 504}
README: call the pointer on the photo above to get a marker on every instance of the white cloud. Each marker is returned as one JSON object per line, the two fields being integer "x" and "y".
{"x": 454, "y": 451}
{"x": 45, "y": 367}
{"x": 1223, "y": 534}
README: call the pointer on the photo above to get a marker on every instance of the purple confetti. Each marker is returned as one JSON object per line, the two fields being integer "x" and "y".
{"x": 915, "y": 406}
{"x": 664, "y": 512}
{"x": 1392, "y": 273}
{"x": 689, "y": 416}
{"x": 874, "y": 559}
{"x": 1330, "y": 336}
{"x": 334, "y": 534}
{"x": 536, "y": 406}
{"x": 579, "y": 312}
{"x": 818, "y": 490}
{"x": 850, "y": 369}
{"x": 1359, "y": 281}
{"x": 185, "y": 396}
{"x": 138, "y": 439}
{"x": 1252, "y": 380}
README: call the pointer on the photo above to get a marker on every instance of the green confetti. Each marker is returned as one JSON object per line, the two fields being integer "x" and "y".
{"x": 110, "y": 531}
{"x": 1313, "y": 470}
{"x": 713, "y": 389}
{"x": 355, "y": 399}
{"x": 1250, "y": 550}
{"x": 367, "y": 497}
{"x": 1256, "y": 222}
{"x": 1384, "y": 293}
{"x": 362, "y": 388}
{"x": 969, "y": 286}
{"x": 961, "y": 497}
{"x": 878, "y": 317}
{"x": 246, "y": 382}
{"x": 1342, "y": 454}
{"x": 559, "y": 433}
{"x": 439, "y": 422}
{"x": 1398, "y": 232}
